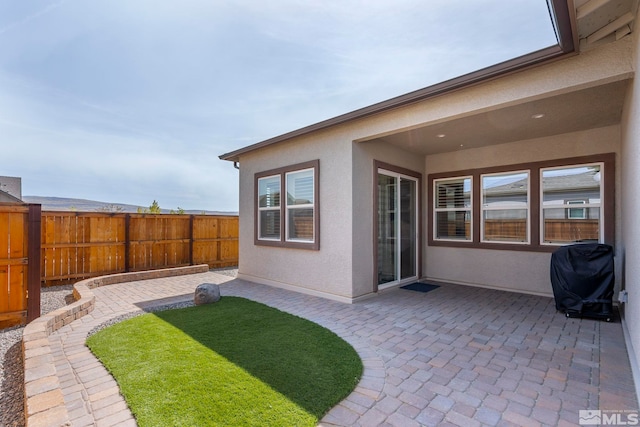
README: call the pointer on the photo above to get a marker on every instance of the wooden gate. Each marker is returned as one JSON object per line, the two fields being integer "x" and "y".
{"x": 19, "y": 263}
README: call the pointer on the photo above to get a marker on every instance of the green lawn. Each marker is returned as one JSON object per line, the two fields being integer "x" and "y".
{"x": 232, "y": 363}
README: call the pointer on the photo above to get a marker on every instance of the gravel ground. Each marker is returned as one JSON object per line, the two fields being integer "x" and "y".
{"x": 11, "y": 371}
{"x": 11, "y": 363}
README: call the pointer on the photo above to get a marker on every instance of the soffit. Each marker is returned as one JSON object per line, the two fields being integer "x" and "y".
{"x": 603, "y": 21}
{"x": 580, "y": 110}
{"x": 595, "y": 22}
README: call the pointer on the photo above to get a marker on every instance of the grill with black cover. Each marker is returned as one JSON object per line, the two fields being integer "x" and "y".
{"x": 582, "y": 277}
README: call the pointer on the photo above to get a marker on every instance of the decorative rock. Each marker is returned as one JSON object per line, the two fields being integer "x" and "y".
{"x": 206, "y": 293}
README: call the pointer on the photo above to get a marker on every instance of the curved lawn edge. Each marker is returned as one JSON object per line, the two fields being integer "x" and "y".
{"x": 301, "y": 368}
{"x": 346, "y": 412}
{"x": 367, "y": 391}
{"x": 42, "y": 379}
{"x": 44, "y": 401}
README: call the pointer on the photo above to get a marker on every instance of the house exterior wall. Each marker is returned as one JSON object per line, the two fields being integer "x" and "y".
{"x": 630, "y": 206}
{"x": 364, "y": 174}
{"x": 327, "y": 272}
{"x": 343, "y": 267}
{"x": 528, "y": 271}
{"x": 520, "y": 271}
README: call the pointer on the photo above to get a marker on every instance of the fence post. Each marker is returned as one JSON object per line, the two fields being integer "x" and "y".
{"x": 127, "y": 243}
{"x": 191, "y": 219}
{"x": 34, "y": 241}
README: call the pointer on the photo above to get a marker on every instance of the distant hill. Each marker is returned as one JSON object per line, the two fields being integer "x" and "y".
{"x": 83, "y": 205}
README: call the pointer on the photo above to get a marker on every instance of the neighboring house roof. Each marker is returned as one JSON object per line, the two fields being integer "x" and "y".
{"x": 6, "y": 197}
{"x": 575, "y": 182}
{"x": 580, "y": 181}
{"x": 576, "y": 29}
{"x": 10, "y": 189}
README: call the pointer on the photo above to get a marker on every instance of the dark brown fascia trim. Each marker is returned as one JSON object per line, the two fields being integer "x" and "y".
{"x": 565, "y": 32}
{"x": 561, "y": 17}
{"x": 397, "y": 169}
{"x": 468, "y": 80}
{"x": 608, "y": 203}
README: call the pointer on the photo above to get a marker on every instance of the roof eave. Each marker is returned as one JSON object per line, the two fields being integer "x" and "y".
{"x": 566, "y": 46}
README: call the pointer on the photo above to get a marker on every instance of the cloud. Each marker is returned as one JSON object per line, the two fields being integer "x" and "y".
{"x": 133, "y": 100}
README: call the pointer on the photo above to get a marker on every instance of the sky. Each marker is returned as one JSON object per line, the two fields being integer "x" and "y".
{"x": 130, "y": 101}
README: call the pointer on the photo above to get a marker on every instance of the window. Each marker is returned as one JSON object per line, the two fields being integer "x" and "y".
{"x": 453, "y": 208}
{"x": 291, "y": 221}
{"x": 562, "y": 189}
{"x": 576, "y": 213}
{"x": 269, "y": 207}
{"x": 300, "y": 205}
{"x": 505, "y": 207}
{"x": 532, "y": 207}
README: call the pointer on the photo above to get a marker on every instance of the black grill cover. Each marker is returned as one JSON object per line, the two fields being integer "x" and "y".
{"x": 582, "y": 278}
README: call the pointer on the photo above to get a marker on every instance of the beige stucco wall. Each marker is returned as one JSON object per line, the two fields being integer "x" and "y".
{"x": 511, "y": 270}
{"x": 599, "y": 66}
{"x": 328, "y": 271}
{"x": 630, "y": 206}
{"x": 343, "y": 268}
{"x": 364, "y": 156}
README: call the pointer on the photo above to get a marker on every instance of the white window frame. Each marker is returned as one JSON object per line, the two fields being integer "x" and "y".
{"x": 397, "y": 229}
{"x": 468, "y": 210}
{"x": 566, "y": 205}
{"x": 484, "y": 208}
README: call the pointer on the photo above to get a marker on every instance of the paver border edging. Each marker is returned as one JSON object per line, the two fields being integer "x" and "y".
{"x": 43, "y": 399}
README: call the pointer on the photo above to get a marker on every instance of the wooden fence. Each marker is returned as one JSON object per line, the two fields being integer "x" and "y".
{"x": 52, "y": 248}
{"x": 569, "y": 230}
{"x": 77, "y": 245}
{"x": 555, "y": 230}
{"x": 19, "y": 263}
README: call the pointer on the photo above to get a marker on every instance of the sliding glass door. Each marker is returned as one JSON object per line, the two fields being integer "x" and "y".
{"x": 397, "y": 228}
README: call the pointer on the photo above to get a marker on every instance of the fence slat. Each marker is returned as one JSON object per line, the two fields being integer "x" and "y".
{"x": 17, "y": 288}
{"x": 13, "y": 264}
{"x": 87, "y": 244}
{"x": 76, "y": 245}
{"x": 4, "y": 288}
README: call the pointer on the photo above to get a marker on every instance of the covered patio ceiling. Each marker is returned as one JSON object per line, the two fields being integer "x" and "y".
{"x": 569, "y": 112}
{"x": 593, "y": 22}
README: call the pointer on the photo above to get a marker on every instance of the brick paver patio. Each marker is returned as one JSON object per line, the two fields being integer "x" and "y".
{"x": 458, "y": 356}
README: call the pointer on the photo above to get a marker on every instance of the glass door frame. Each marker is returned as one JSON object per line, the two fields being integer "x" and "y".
{"x": 398, "y": 173}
